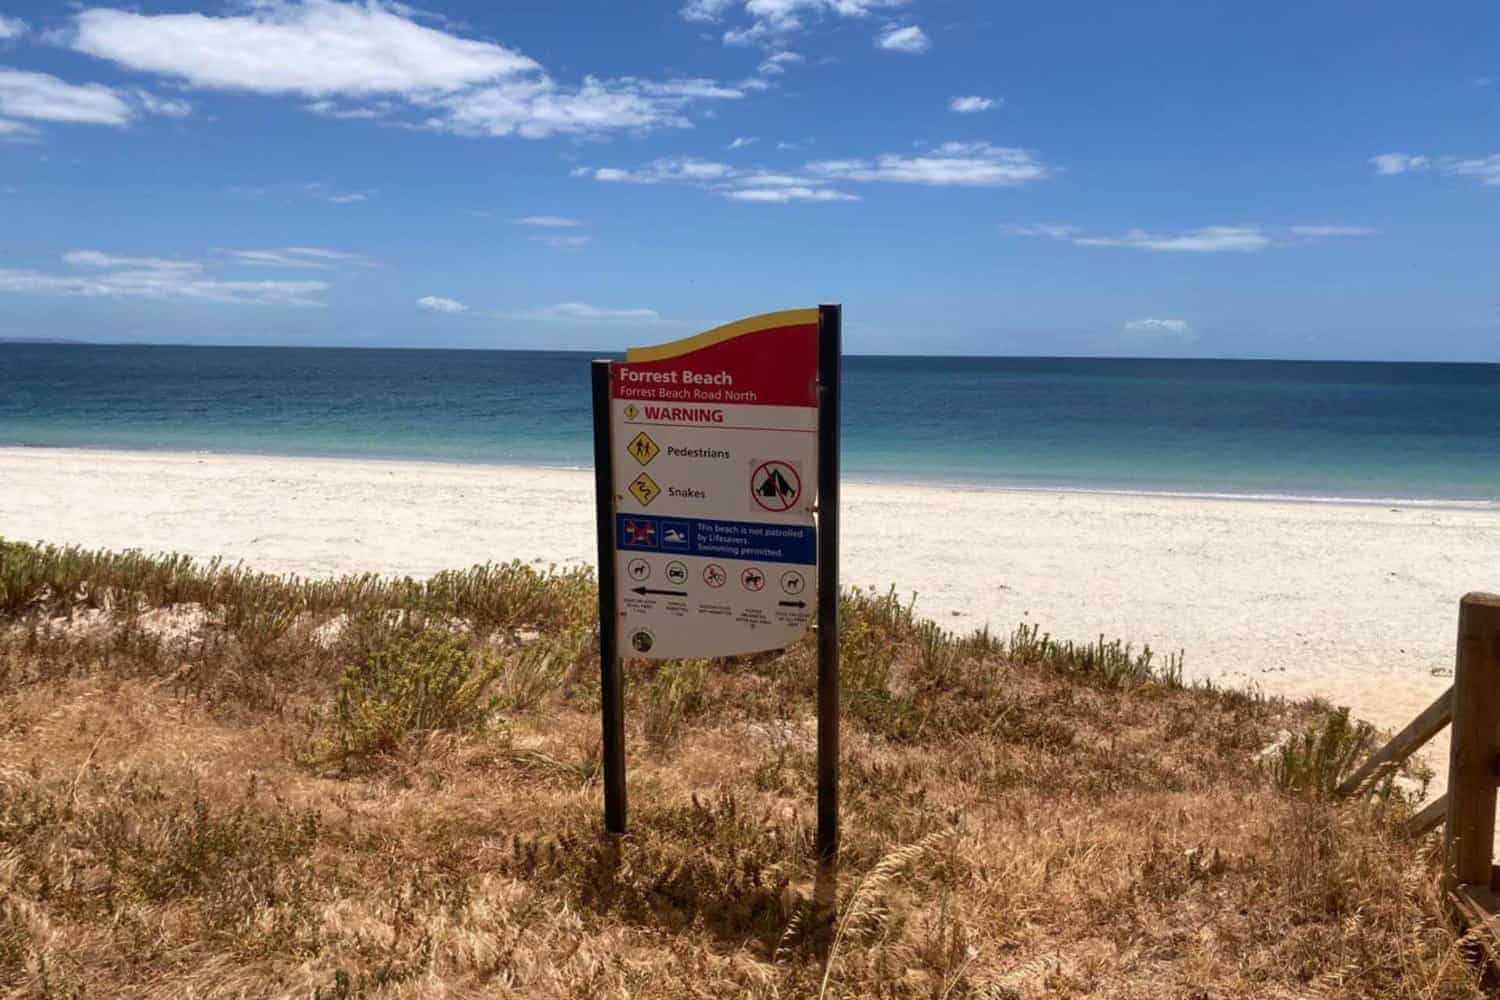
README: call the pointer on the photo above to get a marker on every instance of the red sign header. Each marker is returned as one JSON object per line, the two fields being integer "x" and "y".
{"x": 769, "y": 360}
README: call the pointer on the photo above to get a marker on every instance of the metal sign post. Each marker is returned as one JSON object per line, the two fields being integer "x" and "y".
{"x": 830, "y": 375}
{"x": 611, "y": 689}
{"x": 716, "y": 466}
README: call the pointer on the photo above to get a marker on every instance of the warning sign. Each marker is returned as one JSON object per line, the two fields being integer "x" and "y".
{"x": 644, "y": 489}
{"x": 727, "y": 421}
{"x": 643, "y": 449}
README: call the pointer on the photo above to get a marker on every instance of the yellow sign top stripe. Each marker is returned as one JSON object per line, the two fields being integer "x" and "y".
{"x": 719, "y": 334}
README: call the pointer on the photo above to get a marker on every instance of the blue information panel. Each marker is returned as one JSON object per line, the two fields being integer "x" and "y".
{"x": 742, "y": 540}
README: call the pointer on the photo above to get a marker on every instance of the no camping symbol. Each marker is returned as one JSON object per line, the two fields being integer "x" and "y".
{"x": 775, "y": 486}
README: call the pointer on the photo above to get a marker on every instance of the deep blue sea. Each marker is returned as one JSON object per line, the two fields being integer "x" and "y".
{"x": 1264, "y": 428}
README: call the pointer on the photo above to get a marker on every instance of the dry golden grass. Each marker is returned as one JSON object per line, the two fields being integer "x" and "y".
{"x": 1022, "y": 818}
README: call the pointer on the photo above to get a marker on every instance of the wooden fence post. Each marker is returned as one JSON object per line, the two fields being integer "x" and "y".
{"x": 1468, "y": 839}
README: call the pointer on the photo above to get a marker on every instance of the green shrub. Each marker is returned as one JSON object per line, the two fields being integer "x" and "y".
{"x": 1114, "y": 663}
{"x": 1318, "y": 761}
{"x": 415, "y": 682}
{"x": 673, "y": 699}
{"x": 536, "y": 670}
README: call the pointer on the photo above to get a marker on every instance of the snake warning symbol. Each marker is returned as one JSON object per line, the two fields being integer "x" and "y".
{"x": 644, "y": 489}
{"x": 775, "y": 486}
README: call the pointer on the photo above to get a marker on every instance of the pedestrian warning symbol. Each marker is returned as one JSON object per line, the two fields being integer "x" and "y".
{"x": 645, "y": 489}
{"x": 775, "y": 486}
{"x": 643, "y": 449}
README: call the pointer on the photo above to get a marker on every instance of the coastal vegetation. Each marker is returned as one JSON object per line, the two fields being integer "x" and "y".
{"x": 217, "y": 782}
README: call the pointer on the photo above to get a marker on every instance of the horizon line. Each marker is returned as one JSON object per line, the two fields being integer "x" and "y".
{"x": 619, "y": 353}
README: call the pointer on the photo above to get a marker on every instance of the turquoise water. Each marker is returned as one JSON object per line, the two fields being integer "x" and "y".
{"x": 1306, "y": 429}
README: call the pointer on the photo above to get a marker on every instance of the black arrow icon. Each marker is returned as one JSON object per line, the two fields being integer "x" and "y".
{"x": 792, "y": 604}
{"x": 662, "y": 593}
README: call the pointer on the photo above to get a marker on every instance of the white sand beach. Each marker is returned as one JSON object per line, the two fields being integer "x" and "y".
{"x": 1356, "y": 602}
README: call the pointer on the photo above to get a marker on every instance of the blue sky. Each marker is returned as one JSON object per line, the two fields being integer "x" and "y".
{"x": 1188, "y": 178}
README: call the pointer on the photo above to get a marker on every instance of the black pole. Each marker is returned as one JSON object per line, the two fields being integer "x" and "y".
{"x": 611, "y": 695}
{"x": 830, "y": 347}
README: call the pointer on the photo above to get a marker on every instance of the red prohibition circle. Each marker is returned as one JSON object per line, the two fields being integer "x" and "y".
{"x": 796, "y": 485}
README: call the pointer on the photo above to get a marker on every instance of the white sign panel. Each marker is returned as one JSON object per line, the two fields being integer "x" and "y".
{"x": 716, "y": 468}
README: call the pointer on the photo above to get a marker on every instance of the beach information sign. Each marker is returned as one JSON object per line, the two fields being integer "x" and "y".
{"x": 716, "y": 483}
{"x": 715, "y": 442}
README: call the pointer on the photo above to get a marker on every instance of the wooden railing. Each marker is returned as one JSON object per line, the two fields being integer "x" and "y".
{"x": 1405, "y": 743}
{"x": 1467, "y": 809}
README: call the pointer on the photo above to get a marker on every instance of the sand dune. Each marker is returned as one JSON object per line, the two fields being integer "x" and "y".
{"x": 1355, "y": 602}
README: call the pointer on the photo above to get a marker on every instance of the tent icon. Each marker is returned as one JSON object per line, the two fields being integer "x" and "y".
{"x": 775, "y": 486}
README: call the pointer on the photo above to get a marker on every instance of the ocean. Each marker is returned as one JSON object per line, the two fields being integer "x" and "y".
{"x": 1314, "y": 430}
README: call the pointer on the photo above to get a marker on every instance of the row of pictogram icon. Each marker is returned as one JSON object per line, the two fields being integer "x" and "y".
{"x": 752, "y": 578}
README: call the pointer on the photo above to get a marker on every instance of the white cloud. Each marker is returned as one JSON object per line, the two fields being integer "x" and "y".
{"x": 667, "y": 170}
{"x": 438, "y": 304}
{"x": 691, "y": 87}
{"x": 782, "y": 195}
{"x": 970, "y": 105}
{"x": 334, "y": 196}
{"x": 1485, "y": 169}
{"x": 976, "y": 164}
{"x": 724, "y": 180}
{"x": 314, "y": 48}
{"x": 17, "y": 132}
{"x": 1208, "y": 239}
{"x": 369, "y": 112}
{"x": 549, "y": 222}
{"x": 100, "y": 261}
{"x": 705, "y": 10}
{"x": 1050, "y": 230}
{"x": 168, "y": 107}
{"x": 580, "y": 312}
{"x": 1390, "y": 164}
{"x": 298, "y": 258}
{"x": 908, "y": 38}
{"x": 537, "y": 108}
{"x": 11, "y": 28}
{"x": 771, "y": 22}
{"x": 952, "y": 164}
{"x": 1331, "y": 232}
{"x": 1161, "y": 329}
{"x": 742, "y": 141}
{"x": 107, "y": 275}
{"x": 373, "y": 60}
{"x": 560, "y": 242}
{"x": 776, "y": 63}
{"x": 41, "y": 97}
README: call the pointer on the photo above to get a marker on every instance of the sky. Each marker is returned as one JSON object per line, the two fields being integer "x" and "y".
{"x": 1194, "y": 178}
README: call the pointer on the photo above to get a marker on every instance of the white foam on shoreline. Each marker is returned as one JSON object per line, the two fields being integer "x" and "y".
{"x": 868, "y": 478}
